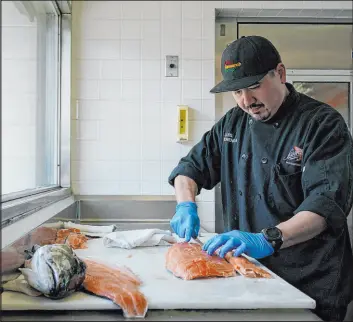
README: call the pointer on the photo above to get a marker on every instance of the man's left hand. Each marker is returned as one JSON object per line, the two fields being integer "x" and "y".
{"x": 253, "y": 244}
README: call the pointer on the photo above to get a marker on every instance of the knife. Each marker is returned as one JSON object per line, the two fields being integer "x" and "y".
{"x": 198, "y": 241}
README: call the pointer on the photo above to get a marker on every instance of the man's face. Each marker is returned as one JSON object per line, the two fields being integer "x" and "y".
{"x": 262, "y": 101}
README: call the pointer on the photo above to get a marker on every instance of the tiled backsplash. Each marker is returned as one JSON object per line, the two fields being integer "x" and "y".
{"x": 125, "y": 134}
{"x": 124, "y": 139}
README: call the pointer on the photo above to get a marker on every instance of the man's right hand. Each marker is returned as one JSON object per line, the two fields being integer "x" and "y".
{"x": 186, "y": 222}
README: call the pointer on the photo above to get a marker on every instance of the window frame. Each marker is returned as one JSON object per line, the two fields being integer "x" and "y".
{"x": 291, "y": 21}
{"x": 20, "y": 204}
{"x": 322, "y": 76}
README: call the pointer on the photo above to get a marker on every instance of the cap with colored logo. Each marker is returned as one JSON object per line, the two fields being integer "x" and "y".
{"x": 246, "y": 61}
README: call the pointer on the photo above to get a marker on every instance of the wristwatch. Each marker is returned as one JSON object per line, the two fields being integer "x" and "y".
{"x": 274, "y": 236}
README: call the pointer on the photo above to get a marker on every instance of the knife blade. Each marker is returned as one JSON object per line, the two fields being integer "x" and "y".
{"x": 198, "y": 241}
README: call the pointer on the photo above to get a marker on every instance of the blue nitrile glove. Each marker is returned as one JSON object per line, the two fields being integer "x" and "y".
{"x": 253, "y": 244}
{"x": 186, "y": 222}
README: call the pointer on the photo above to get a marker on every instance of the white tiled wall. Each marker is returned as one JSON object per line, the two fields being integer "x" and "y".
{"x": 124, "y": 138}
{"x": 18, "y": 99}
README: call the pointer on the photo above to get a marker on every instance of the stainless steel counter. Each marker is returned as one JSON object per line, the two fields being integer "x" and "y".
{"x": 165, "y": 315}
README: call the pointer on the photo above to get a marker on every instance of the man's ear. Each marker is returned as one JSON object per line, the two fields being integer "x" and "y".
{"x": 281, "y": 69}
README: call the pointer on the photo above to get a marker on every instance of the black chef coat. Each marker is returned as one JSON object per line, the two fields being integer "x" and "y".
{"x": 301, "y": 159}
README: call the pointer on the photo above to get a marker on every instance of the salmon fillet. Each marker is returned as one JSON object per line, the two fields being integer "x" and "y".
{"x": 42, "y": 236}
{"x": 62, "y": 234}
{"x": 246, "y": 268}
{"x": 76, "y": 241}
{"x": 11, "y": 260}
{"x": 71, "y": 237}
{"x": 188, "y": 262}
{"x": 119, "y": 285}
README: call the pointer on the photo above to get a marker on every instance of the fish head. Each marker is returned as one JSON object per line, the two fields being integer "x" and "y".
{"x": 56, "y": 271}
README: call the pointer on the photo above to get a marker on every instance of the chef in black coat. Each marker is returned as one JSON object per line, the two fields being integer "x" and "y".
{"x": 285, "y": 164}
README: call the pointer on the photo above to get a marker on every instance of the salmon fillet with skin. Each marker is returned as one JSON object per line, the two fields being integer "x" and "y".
{"x": 42, "y": 236}
{"x": 11, "y": 260}
{"x": 188, "y": 262}
{"x": 119, "y": 285}
{"x": 246, "y": 268}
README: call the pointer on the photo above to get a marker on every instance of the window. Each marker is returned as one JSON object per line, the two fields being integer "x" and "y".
{"x": 35, "y": 105}
{"x": 335, "y": 94}
{"x": 30, "y": 96}
{"x": 307, "y": 46}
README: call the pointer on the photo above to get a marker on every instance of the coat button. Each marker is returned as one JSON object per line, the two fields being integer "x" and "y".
{"x": 240, "y": 193}
{"x": 251, "y": 121}
{"x": 264, "y": 160}
{"x": 276, "y": 125}
{"x": 244, "y": 156}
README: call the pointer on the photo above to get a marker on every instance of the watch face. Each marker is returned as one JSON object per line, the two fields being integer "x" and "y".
{"x": 273, "y": 233}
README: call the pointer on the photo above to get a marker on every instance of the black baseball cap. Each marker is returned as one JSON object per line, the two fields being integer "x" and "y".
{"x": 246, "y": 61}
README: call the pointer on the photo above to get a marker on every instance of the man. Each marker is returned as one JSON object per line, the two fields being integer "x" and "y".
{"x": 285, "y": 163}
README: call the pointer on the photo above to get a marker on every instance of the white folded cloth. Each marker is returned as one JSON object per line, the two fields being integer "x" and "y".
{"x": 141, "y": 237}
{"x": 20, "y": 285}
{"x": 57, "y": 225}
{"x": 89, "y": 230}
{"x": 9, "y": 276}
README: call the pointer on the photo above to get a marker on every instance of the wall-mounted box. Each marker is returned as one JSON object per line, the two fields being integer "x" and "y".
{"x": 183, "y": 123}
{"x": 172, "y": 66}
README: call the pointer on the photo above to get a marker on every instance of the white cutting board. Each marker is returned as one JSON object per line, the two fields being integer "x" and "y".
{"x": 164, "y": 291}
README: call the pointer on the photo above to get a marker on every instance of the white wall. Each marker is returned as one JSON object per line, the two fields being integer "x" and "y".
{"x": 18, "y": 99}
{"x": 124, "y": 138}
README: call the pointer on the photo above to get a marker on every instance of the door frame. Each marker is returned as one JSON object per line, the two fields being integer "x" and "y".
{"x": 332, "y": 75}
